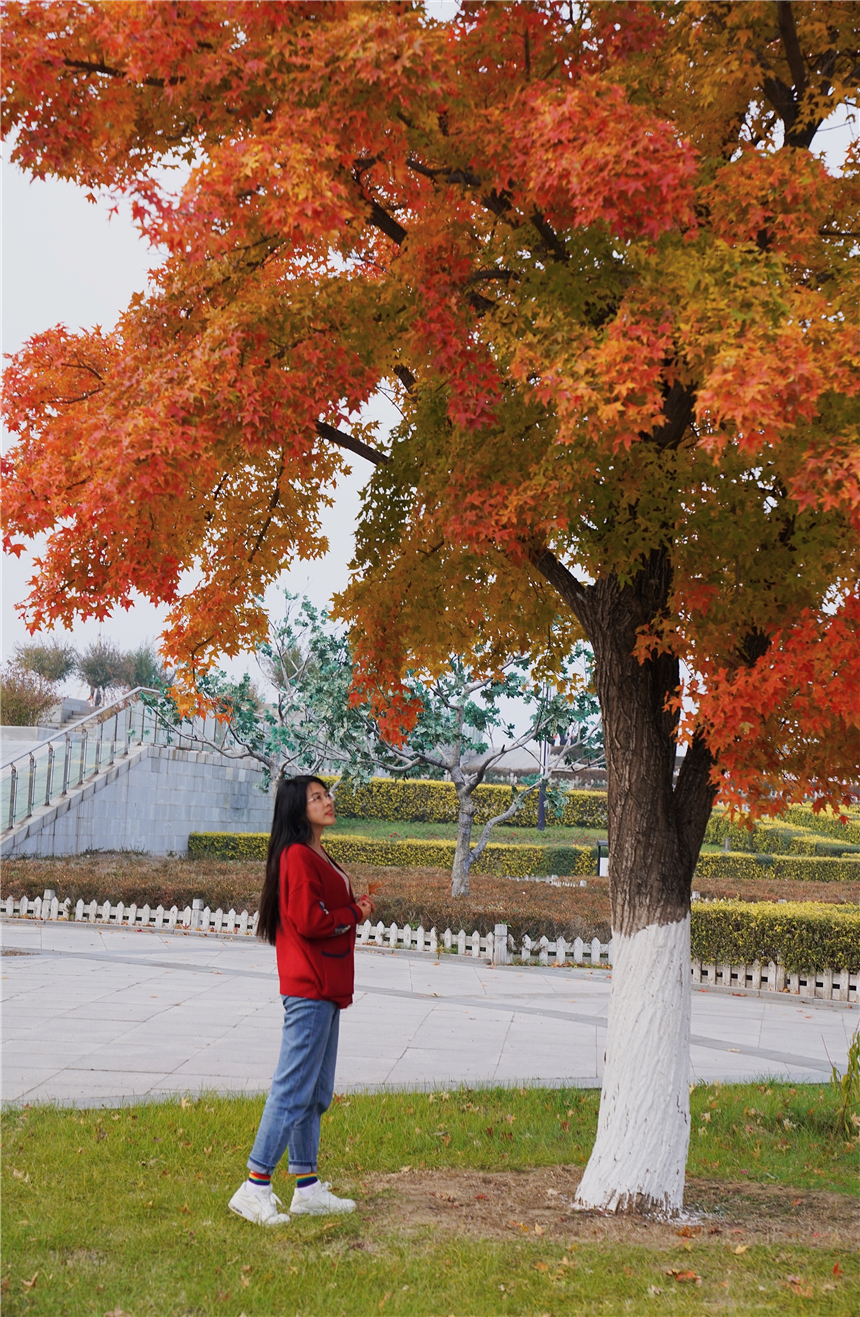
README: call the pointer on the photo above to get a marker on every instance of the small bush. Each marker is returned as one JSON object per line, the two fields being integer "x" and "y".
{"x": 25, "y": 697}
{"x": 798, "y": 935}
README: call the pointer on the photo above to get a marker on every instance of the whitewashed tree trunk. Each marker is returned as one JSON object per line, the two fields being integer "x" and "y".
{"x": 643, "y": 1132}
{"x": 655, "y": 824}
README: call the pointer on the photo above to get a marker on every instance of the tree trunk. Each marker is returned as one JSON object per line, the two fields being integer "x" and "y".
{"x": 463, "y": 850}
{"x": 655, "y": 830}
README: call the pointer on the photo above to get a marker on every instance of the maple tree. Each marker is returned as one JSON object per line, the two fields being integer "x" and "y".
{"x": 593, "y": 253}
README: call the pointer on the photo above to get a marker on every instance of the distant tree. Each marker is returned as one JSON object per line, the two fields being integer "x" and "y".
{"x": 317, "y": 723}
{"x": 143, "y": 667}
{"x": 25, "y": 696}
{"x": 102, "y": 667}
{"x": 52, "y": 660}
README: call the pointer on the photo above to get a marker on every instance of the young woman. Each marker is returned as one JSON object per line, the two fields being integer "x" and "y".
{"x": 308, "y": 913}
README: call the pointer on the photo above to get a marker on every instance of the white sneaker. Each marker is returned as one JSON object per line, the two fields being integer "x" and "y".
{"x": 322, "y": 1202}
{"x": 258, "y": 1205}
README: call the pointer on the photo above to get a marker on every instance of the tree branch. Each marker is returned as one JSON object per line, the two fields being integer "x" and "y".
{"x": 788, "y": 32}
{"x": 356, "y": 446}
{"x": 572, "y": 591}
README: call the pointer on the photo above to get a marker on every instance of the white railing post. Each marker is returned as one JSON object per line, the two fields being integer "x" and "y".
{"x": 500, "y": 944}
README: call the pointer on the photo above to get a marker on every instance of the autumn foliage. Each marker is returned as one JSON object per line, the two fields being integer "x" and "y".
{"x": 591, "y": 251}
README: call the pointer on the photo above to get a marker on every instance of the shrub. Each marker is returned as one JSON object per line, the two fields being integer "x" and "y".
{"x": 497, "y": 858}
{"x": 743, "y": 866}
{"x": 799, "y": 935}
{"x": 25, "y": 697}
{"x": 418, "y": 800}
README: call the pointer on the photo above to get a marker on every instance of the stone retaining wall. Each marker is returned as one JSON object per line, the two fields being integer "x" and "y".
{"x": 149, "y": 801}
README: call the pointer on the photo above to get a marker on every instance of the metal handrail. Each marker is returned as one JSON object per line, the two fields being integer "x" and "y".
{"x": 82, "y": 744}
{"x": 74, "y": 742}
{"x": 102, "y": 714}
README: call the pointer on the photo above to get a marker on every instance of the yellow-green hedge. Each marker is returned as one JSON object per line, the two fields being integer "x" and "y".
{"x": 518, "y": 861}
{"x": 779, "y": 837}
{"x": 827, "y": 823}
{"x": 800, "y": 935}
{"x": 747, "y": 866}
{"x": 415, "y": 800}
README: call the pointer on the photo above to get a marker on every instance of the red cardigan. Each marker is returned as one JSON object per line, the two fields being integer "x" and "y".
{"x": 316, "y": 939}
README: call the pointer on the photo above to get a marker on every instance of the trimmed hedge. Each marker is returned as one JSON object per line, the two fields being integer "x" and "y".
{"x": 827, "y": 823}
{"x": 415, "y": 800}
{"x": 497, "y": 858}
{"x": 779, "y": 838}
{"x": 799, "y": 935}
{"x": 743, "y": 866}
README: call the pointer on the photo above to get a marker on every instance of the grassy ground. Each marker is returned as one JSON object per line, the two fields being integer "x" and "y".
{"x": 464, "y": 1208}
{"x": 384, "y": 831}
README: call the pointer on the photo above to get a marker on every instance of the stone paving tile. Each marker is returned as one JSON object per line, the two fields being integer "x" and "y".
{"x": 154, "y": 1003}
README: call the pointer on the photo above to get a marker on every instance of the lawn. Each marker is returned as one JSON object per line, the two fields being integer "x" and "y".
{"x": 464, "y": 1208}
{"x": 384, "y": 830}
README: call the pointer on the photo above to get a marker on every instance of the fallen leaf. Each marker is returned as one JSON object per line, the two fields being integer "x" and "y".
{"x": 539, "y": 1230}
{"x": 687, "y": 1232}
{"x": 683, "y": 1277}
{"x": 541, "y": 1266}
{"x": 479, "y": 1196}
{"x": 837, "y": 1270}
{"x": 654, "y": 1289}
{"x": 740, "y": 1248}
{"x": 21, "y": 1175}
{"x": 28, "y": 1284}
{"x": 384, "y": 1300}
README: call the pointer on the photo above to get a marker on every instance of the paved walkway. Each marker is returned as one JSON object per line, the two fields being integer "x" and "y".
{"x": 97, "y": 1016}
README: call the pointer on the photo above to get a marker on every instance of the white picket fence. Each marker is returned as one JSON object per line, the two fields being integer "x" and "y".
{"x": 196, "y": 916}
{"x": 823, "y": 984}
{"x": 499, "y": 947}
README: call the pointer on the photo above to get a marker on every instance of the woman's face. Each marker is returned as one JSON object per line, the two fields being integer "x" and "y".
{"x": 320, "y": 807}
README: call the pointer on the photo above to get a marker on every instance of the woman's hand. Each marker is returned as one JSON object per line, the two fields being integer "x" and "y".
{"x": 366, "y": 906}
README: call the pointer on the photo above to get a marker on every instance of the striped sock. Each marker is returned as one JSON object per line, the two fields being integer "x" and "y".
{"x": 306, "y": 1184}
{"x": 259, "y": 1180}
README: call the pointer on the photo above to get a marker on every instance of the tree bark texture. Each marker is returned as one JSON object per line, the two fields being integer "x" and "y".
{"x": 462, "y": 851}
{"x": 655, "y": 830}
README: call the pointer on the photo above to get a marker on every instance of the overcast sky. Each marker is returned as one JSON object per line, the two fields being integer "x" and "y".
{"x": 65, "y": 260}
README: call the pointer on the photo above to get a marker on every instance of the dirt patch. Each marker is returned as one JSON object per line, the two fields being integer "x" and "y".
{"x": 539, "y": 1204}
{"x": 408, "y": 896}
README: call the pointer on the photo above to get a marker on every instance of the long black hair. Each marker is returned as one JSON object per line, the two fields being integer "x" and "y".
{"x": 289, "y": 825}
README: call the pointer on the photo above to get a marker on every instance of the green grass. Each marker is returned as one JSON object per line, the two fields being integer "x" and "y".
{"x": 383, "y": 830}
{"x": 125, "y": 1211}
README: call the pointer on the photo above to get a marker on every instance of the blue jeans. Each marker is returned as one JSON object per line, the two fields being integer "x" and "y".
{"x": 302, "y": 1087}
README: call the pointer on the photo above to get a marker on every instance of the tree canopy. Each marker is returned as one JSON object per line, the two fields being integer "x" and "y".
{"x": 589, "y": 249}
